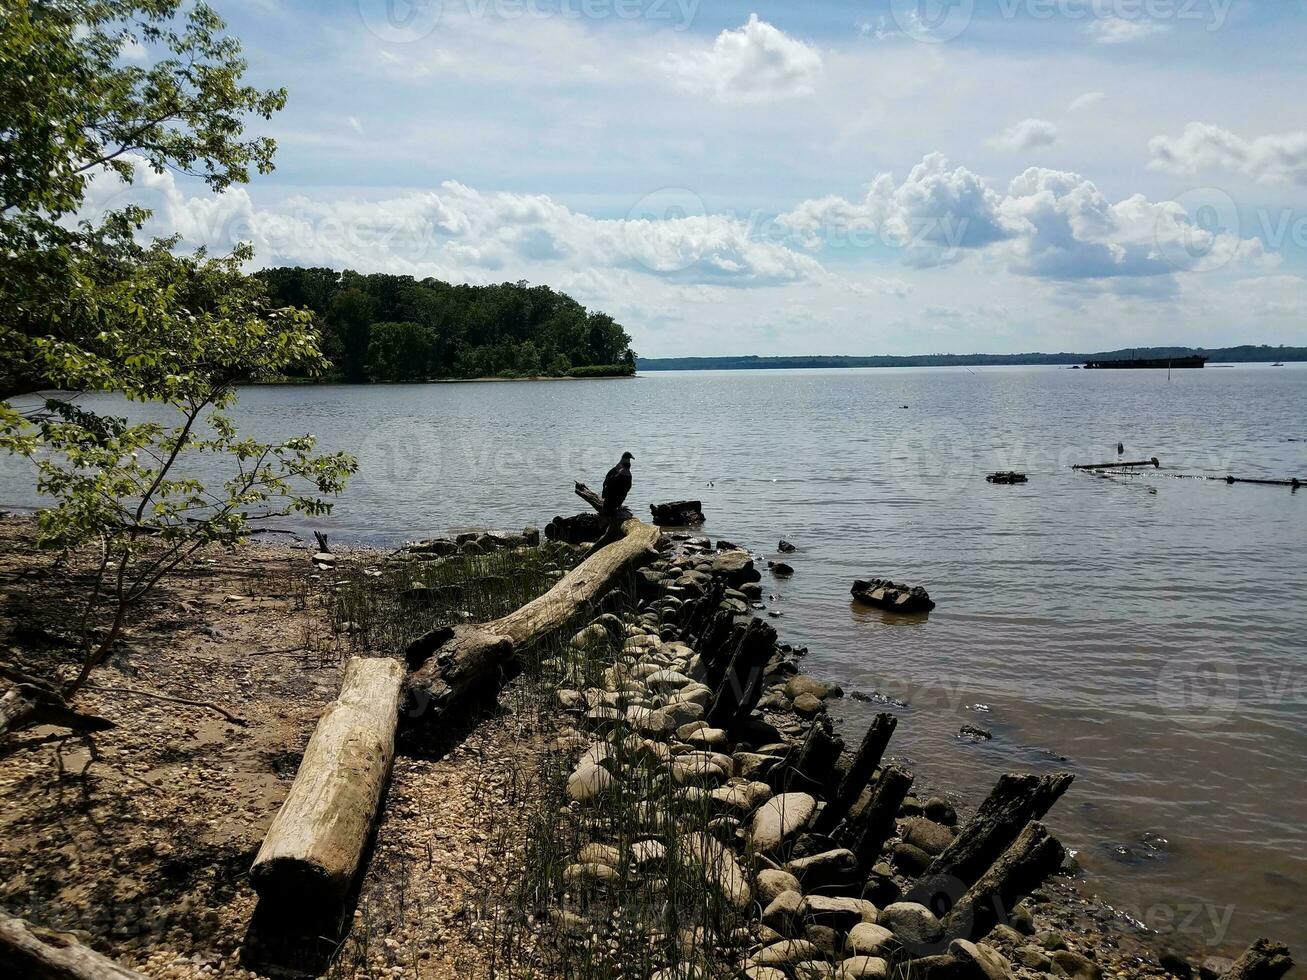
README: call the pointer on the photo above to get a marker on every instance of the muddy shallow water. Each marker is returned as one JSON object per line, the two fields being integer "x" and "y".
{"x": 1145, "y": 632}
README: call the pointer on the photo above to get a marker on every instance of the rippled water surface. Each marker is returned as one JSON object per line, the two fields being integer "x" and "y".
{"x": 1145, "y": 632}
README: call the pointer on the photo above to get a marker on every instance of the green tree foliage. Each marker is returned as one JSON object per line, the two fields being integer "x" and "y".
{"x": 396, "y": 328}
{"x": 73, "y": 107}
{"x": 84, "y": 306}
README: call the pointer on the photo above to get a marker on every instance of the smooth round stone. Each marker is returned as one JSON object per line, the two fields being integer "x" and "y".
{"x": 588, "y": 782}
{"x": 786, "y": 953}
{"x": 772, "y": 882}
{"x": 780, "y": 819}
{"x": 863, "y": 968}
{"x": 866, "y": 939}
{"x": 600, "y": 854}
{"x": 580, "y": 873}
{"x": 912, "y": 923}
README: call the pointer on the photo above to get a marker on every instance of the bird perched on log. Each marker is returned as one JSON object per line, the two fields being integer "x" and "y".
{"x": 617, "y": 484}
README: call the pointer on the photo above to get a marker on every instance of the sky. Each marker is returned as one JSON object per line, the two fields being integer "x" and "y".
{"x": 885, "y": 176}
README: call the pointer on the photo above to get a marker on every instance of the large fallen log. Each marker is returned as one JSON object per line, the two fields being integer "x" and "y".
{"x": 1263, "y": 960}
{"x": 1019, "y": 870}
{"x": 451, "y": 662}
{"x": 33, "y": 953}
{"x": 316, "y": 841}
{"x": 1015, "y": 800}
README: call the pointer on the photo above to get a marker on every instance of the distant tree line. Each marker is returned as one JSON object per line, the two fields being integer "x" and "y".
{"x": 1245, "y": 353}
{"x": 397, "y": 328}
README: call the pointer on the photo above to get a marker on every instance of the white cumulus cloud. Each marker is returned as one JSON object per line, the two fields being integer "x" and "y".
{"x": 756, "y": 63}
{"x": 1027, "y": 135}
{"x": 1049, "y": 224}
{"x": 935, "y": 214}
{"x": 459, "y": 233}
{"x": 1275, "y": 159}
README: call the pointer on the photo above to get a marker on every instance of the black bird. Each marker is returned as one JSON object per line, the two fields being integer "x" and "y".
{"x": 1120, "y": 449}
{"x": 617, "y": 484}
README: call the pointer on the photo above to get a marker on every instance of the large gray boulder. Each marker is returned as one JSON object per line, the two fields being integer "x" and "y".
{"x": 781, "y": 819}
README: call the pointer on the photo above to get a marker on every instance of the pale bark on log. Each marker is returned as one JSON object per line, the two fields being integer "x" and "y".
{"x": 1015, "y": 800}
{"x": 450, "y": 663}
{"x": 33, "y": 953}
{"x": 1019, "y": 870}
{"x": 313, "y": 848}
{"x": 860, "y": 771}
{"x": 1263, "y": 960}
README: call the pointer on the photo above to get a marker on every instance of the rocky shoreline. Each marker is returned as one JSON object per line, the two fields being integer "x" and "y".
{"x": 661, "y": 792}
{"x": 700, "y": 703}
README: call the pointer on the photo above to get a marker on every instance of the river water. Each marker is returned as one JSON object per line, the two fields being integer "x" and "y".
{"x": 1145, "y": 632}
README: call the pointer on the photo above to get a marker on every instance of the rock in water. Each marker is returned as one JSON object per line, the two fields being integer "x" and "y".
{"x": 736, "y": 567}
{"x": 678, "y": 513}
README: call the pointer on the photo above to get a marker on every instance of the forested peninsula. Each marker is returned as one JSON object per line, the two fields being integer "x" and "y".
{"x": 380, "y": 328}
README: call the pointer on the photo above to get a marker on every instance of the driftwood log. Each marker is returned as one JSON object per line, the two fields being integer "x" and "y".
{"x": 316, "y": 841}
{"x": 451, "y": 662}
{"x": 28, "y": 700}
{"x": 1263, "y": 960}
{"x": 1019, "y": 870}
{"x": 33, "y": 953}
{"x": 1015, "y": 801}
{"x": 1153, "y": 462}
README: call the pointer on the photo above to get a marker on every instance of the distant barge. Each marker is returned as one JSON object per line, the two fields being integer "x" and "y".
{"x": 1194, "y": 361}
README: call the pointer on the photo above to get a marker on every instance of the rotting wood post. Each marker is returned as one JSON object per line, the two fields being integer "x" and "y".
{"x": 1019, "y": 870}
{"x": 860, "y": 771}
{"x": 740, "y": 686}
{"x": 1015, "y": 800}
{"x": 875, "y": 825}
